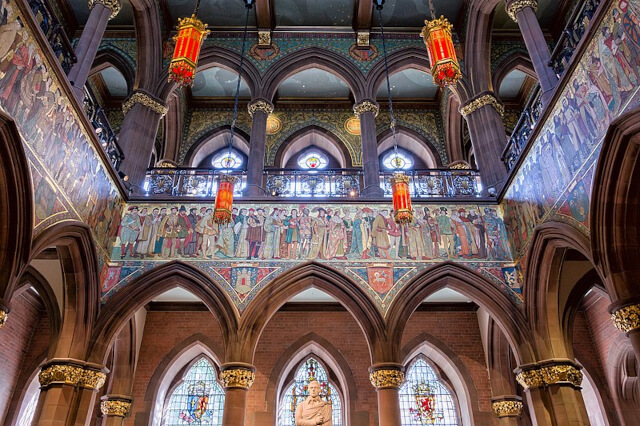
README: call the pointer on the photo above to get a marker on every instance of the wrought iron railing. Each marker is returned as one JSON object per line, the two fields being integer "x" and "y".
{"x": 54, "y": 32}
{"x": 313, "y": 183}
{"x": 438, "y": 183}
{"x": 105, "y": 133}
{"x": 572, "y": 34}
{"x": 521, "y": 133}
{"x": 188, "y": 182}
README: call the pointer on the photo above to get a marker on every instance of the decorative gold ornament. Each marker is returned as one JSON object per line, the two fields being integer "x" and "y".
{"x": 260, "y": 105}
{"x": 627, "y": 319}
{"x": 507, "y": 408}
{"x": 237, "y": 378}
{"x": 115, "y": 407}
{"x": 484, "y": 100}
{"x": 381, "y": 379}
{"x": 264, "y": 38}
{"x": 71, "y": 375}
{"x": 274, "y": 125}
{"x": 92, "y": 379}
{"x": 113, "y": 5}
{"x": 517, "y": 5}
{"x": 352, "y": 126}
{"x": 365, "y": 106}
{"x": 3, "y": 318}
{"x": 363, "y": 39}
{"x": 146, "y": 100}
{"x": 549, "y": 375}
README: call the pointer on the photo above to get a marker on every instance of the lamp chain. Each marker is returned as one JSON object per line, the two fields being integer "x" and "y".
{"x": 386, "y": 69}
{"x": 432, "y": 9}
{"x": 195, "y": 11}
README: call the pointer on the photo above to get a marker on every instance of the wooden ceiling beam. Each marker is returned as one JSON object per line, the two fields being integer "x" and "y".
{"x": 265, "y": 14}
{"x": 362, "y": 16}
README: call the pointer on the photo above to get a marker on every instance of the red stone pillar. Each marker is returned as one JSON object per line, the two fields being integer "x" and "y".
{"x": 488, "y": 136}
{"x": 367, "y": 112}
{"x": 237, "y": 378}
{"x": 626, "y": 317}
{"x": 101, "y": 12}
{"x": 553, "y": 389}
{"x": 115, "y": 408}
{"x": 259, "y": 111}
{"x": 524, "y": 13}
{"x": 387, "y": 379}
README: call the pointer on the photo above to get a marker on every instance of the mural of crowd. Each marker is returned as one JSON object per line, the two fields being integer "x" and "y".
{"x": 604, "y": 85}
{"x": 307, "y": 232}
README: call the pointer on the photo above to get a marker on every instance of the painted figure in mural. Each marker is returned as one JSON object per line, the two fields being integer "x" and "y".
{"x": 129, "y": 229}
{"x": 313, "y": 410}
{"x": 319, "y": 234}
{"x": 304, "y": 227}
{"x": 241, "y": 227}
{"x": 336, "y": 239}
{"x": 446, "y": 228}
{"x": 209, "y": 230}
{"x": 292, "y": 236}
{"x": 255, "y": 232}
{"x": 169, "y": 233}
{"x": 379, "y": 234}
{"x": 142, "y": 242}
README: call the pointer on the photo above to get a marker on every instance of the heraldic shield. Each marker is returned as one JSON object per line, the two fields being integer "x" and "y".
{"x": 197, "y": 404}
{"x": 425, "y": 410}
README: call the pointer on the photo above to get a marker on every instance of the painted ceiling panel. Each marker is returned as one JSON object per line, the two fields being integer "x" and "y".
{"x": 412, "y": 13}
{"x": 316, "y": 13}
{"x": 81, "y": 10}
{"x": 546, "y": 13}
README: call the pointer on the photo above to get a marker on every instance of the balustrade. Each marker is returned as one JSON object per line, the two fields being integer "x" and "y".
{"x": 54, "y": 32}
{"x": 105, "y": 133}
{"x": 188, "y": 182}
{"x": 438, "y": 183}
{"x": 522, "y": 131}
{"x": 317, "y": 183}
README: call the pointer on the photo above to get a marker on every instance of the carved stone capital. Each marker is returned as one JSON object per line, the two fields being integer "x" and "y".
{"x": 483, "y": 100}
{"x": 264, "y": 39}
{"x": 146, "y": 100}
{"x": 386, "y": 376}
{"x": 626, "y": 319}
{"x": 3, "y": 317}
{"x": 515, "y": 6}
{"x": 549, "y": 373}
{"x": 507, "y": 406}
{"x": 366, "y": 106}
{"x": 113, "y": 5}
{"x": 115, "y": 406}
{"x": 68, "y": 372}
{"x": 237, "y": 375}
{"x": 260, "y": 105}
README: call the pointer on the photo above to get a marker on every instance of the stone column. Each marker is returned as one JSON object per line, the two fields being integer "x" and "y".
{"x": 101, "y": 12}
{"x": 387, "y": 379}
{"x": 115, "y": 408}
{"x": 524, "y": 13}
{"x": 142, "y": 114}
{"x": 68, "y": 391}
{"x": 237, "y": 378}
{"x": 553, "y": 389}
{"x": 259, "y": 111}
{"x": 484, "y": 118}
{"x": 508, "y": 408}
{"x": 625, "y": 315}
{"x": 367, "y": 111}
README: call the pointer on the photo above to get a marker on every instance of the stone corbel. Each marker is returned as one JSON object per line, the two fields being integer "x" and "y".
{"x": 363, "y": 39}
{"x": 626, "y": 317}
{"x": 366, "y": 106}
{"x": 264, "y": 38}
{"x": 260, "y": 105}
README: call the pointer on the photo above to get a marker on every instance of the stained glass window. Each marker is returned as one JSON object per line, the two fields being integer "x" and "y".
{"x": 297, "y": 392}
{"x": 397, "y": 160}
{"x": 29, "y": 404}
{"x": 198, "y": 400}
{"x": 424, "y": 400}
{"x": 313, "y": 160}
{"x": 227, "y": 160}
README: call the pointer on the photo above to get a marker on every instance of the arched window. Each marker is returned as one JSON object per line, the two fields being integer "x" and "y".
{"x": 400, "y": 160}
{"x": 424, "y": 399}
{"x": 29, "y": 403}
{"x": 197, "y": 400}
{"x": 313, "y": 160}
{"x": 296, "y": 392}
{"x": 227, "y": 160}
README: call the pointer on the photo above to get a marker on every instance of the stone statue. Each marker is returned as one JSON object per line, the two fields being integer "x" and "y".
{"x": 313, "y": 410}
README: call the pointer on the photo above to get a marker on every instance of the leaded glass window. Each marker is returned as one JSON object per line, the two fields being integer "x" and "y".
{"x": 227, "y": 160}
{"x": 424, "y": 400}
{"x": 29, "y": 404}
{"x": 313, "y": 160}
{"x": 399, "y": 160}
{"x": 198, "y": 400}
{"x": 297, "y": 392}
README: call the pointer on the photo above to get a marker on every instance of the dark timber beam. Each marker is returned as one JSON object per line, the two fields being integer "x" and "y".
{"x": 362, "y": 14}
{"x": 265, "y": 20}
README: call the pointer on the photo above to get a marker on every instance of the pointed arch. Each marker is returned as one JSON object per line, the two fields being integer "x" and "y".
{"x": 477, "y": 44}
{"x": 469, "y": 283}
{"x": 424, "y": 147}
{"x": 400, "y": 60}
{"x": 110, "y": 57}
{"x": 454, "y": 128}
{"x": 241, "y": 143}
{"x": 515, "y": 60}
{"x": 146, "y": 19}
{"x": 295, "y": 280}
{"x": 118, "y": 309}
{"x": 338, "y": 144}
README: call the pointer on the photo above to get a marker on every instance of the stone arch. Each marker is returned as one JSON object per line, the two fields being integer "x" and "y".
{"x": 146, "y": 19}
{"x": 338, "y": 146}
{"x": 401, "y": 60}
{"x": 121, "y": 307}
{"x": 109, "y": 57}
{"x": 477, "y": 64}
{"x": 300, "y": 350}
{"x": 469, "y": 283}
{"x": 183, "y": 354}
{"x": 423, "y": 142}
{"x": 623, "y": 373}
{"x": 454, "y": 128}
{"x": 517, "y": 60}
{"x": 242, "y": 145}
{"x": 295, "y": 280}
{"x": 450, "y": 363}
{"x": 313, "y": 58}
{"x": 16, "y": 205}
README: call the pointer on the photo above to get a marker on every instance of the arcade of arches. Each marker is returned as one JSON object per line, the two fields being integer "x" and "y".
{"x": 512, "y": 297}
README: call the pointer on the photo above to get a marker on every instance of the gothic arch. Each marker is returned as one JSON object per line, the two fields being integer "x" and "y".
{"x": 146, "y": 19}
{"x": 242, "y": 144}
{"x": 338, "y": 144}
{"x": 515, "y": 61}
{"x": 477, "y": 63}
{"x": 423, "y": 141}
{"x": 109, "y": 57}
{"x": 313, "y": 58}
{"x": 121, "y": 307}
{"x": 401, "y": 60}
{"x": 623, "y": 375}
{"x": 304, "y": 276}
{"x": 454, "y": 128}
{"x": 475, "y": 287}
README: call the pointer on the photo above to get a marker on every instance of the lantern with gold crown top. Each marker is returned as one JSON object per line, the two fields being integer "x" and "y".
{"x": 442, "y": 54}
{"x": 191, "y": 33}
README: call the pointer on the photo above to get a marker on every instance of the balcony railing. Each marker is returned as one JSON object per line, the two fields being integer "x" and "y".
{"x": 572, "y": 34}
{"x": 522, "y": 131}
{"x": 105, "y": 133}
{"x": 188, "y": 182}
{"x": 52, "y": 29}
{"x": 316, "y": 183}
{"x": 438, "y": 183}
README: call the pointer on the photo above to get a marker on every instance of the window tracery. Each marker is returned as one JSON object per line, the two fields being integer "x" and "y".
{"x": 313, "y": 160}
{"x": 227, "y": 160}
{"x": 399, "y": 160}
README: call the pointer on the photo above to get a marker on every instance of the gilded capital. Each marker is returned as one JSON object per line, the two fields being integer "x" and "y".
{"x": 70, "y": 374}
{"x": 550, "y": 375}
{"x": 381, "y": 379}
{"x": 482, "y": 101}
{"x": 92, "y": 379}
{"x": 237, "y": 378}
{"x": 260, "y": 105}
{"x": 113, "y": 5}
{"x": 515, "y": 6}
{"x": 146, "y": 100}
{"x": 366, "y": 106}
{"x": 507, "y": 408}
{"x": 627, "y": 318}
{"x": 3, "y": 318}
{"x": 115, "y": 407}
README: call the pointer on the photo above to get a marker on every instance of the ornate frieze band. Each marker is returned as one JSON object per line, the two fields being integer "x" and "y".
{"x": 237, "y": 378}
{"x": 74, "y": 375}
{"x": 482, "y": 101}
{"x": 365, "y": 106}
{"x": 260, "y": 105}
{"x": 3, "y": 318}
{"x": 146, "y": 100}
{"x": 627, "y": 318}
{"x": 115, "y": 407}
{"x": 381, "y": 379}
{"x": 550, "y": 375}
{"x": 113, "y": 5}
{"x": 514, "y": 7}
{"x": 507, "y": 408}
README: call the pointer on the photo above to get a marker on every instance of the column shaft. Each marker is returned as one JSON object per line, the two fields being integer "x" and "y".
{"x": 235, "y": 406}
{"x": 389, "y": 407}
{"x": 255, "y": 163}
{"x": 370, "y": 161}
{"x": 54, "y": 406}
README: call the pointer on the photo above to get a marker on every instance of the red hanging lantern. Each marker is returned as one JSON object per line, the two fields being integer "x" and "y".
{"x": 442, "y": 55}
{"x": 191, "y": 32}
{"x": 224, "y": 199}
{"x": 402, "y": 211}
